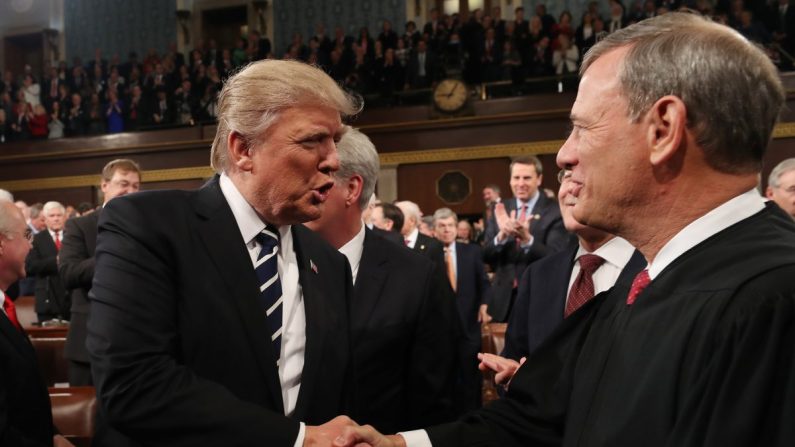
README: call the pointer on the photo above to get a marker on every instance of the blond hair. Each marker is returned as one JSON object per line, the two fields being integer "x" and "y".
{"x": 252, "y": 99}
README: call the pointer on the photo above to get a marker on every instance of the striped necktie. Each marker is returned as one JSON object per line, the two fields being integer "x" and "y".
{"x": 270, "y": 286}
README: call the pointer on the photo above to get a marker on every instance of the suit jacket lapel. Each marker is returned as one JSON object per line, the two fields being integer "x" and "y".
{"x": 16, "y": 338}
{"x": 318, "y": 315}
{"x": 226, "y": 248}
{"x": 369, "y": 281}
{"x": 559, "y": 283}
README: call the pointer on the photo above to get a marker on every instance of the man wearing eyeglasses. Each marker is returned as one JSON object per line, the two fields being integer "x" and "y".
{"x": 52, "y": 300}
{"x": 26, "y": 417}
{"x": 781, "y": 186}
{"x": 558, "y": 285}
{"x": 76, "y": 263}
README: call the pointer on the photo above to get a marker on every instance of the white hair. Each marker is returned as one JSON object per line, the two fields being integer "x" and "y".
{"x": 52, "y": 205}
{"x": 6, "y": 196}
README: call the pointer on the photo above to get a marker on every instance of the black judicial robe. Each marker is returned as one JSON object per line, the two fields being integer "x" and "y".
{"x": 705, "y": 357}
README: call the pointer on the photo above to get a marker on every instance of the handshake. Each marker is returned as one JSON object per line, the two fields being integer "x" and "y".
{"x": 343, "y": 431}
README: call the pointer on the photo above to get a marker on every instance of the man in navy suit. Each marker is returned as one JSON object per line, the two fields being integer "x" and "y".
{"x": 403, "y": 316}
{"x": 216, "y": 318}
{"x": 76, "y": 264}
{"x": 520, "y": 231}
{"x": 548, "y": 290}
{"x": 467, "y": 275}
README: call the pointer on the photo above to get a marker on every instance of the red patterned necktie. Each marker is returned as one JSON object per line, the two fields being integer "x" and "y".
{"x": 11, "y": 312}
{"x": 58, "y": 240}
{"x": 583, "y": 290}
{"x": 641, "y": 281}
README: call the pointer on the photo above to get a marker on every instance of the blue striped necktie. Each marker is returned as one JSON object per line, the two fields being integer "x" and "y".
{"x": 270, "y": 286}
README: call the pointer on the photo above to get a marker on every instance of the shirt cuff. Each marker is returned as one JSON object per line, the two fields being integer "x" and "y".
{"x": 498, "y": 242}
{"x": 299, "y": 441}
{"x": 528, "y": 244}
{"x": 416, "y": 438}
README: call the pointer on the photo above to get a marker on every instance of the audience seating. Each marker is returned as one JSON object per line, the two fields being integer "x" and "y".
{"x": 49, "y": 343}
{"x": 73, "y": 413}
{"x": 492, "y": 341}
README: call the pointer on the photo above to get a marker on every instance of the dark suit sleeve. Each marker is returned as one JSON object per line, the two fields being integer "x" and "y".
{"x": 516, "y": 335}
{"x": 433, "y": 355}
{"x": 556, "y": 239}
{"x": 38, "y": 263}
{"x": 76, "y": 265}
{"x": 9, "y": 435}
{"x": 533, "y": 412}
{"x": 481, "y": 279}
{"x": 134, "y": 344}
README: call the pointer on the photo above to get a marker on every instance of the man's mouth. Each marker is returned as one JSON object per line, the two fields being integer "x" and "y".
{"x": 321, "y": 194}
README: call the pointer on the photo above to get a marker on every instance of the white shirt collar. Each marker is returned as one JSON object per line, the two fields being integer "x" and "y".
{"x": 248, "y": 221}
{"x": 2, "y": 301}
{"x": 616, "y": 251}
{"x": 52, "y": 234}
{"x": 531, "y": 202}
{"x": 451, "y": 248}
{"x": 741, "y": 207}
{"x": 412, "y": 237}
{"x": 353, "y": 251}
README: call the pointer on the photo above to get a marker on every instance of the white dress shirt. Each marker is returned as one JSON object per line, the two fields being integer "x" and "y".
{"x": 715, "y": 221}
{"x": 616, "y": 253}
{"x": 412, "y": 238}
{"x": 353, "y": 251}
{"x": 293, "y": 313}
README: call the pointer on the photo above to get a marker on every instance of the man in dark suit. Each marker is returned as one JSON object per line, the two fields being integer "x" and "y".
{"x": 412, "y": 237}
{"x": 553, "y": 288}
{"x": 697, "y": 350}
{"x": 52, "y": 299}
{"x": 387, "y": 221}
{"x": 216, "y": 319}
{"x": 76, "y": 264}
{"x": 467, "y": 275}
{"x": 521, "y": 230}
{"x": 25, "y": 417}
{"x": 403, "y": 317}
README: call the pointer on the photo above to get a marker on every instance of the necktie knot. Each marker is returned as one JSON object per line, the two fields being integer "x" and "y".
{"x": 583, "y": 288}
{"x": 589, "y": 263}
{"x": 640, "y": 282}
{"x": 268, "y": 238}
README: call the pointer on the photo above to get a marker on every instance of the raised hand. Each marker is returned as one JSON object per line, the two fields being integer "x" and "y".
{"x": 503, "y": 368}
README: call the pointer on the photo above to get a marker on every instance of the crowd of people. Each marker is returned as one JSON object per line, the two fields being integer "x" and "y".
{"x": 649, "y": 302}
{"x": 167, "y": 88}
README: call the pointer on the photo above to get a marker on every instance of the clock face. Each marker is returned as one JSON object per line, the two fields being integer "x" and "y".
{"x": 450, "y": 95}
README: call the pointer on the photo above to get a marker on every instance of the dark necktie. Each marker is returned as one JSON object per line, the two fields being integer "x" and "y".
{"x": 583, "y": 290}
{"x": 641, "y": 281}
{"x": 11, "y": 312}
{"x": 270, "y": 287}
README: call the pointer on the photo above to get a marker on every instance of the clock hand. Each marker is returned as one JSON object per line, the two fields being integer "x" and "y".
{"x": 452, "y": 91}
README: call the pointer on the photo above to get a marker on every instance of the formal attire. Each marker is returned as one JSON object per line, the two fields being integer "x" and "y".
{"x": 545, "y": 286}
{"x": 467, "y": 272}
{"x": 703, "y": 357}
{"x": 52, "y": 300}
{"x": 404, "y": 335}
{"x": 76, "y": 267}
{"x": 25, "y": 417}
{"x": 509, "y": 259}
{"x": 183, "y": 354}
{"x": 426, "y": 245}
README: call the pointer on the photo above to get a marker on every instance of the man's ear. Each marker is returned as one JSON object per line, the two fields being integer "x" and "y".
{"x": 667, "y": 121}
{"x": 354, "y": 189}
{"x": 769, "y": 192}
{"x": 239, "y": 151}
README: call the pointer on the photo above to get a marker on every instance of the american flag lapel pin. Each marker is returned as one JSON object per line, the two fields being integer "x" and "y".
{"x": 313, "y": 266}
